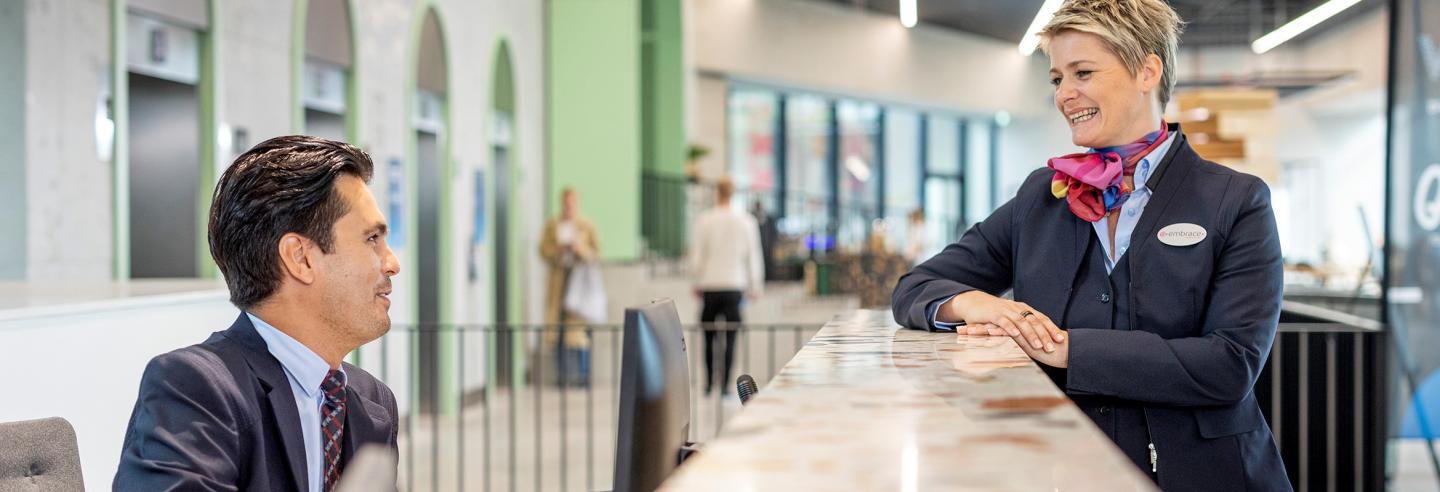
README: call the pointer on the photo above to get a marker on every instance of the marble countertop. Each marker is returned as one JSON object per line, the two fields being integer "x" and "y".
{"x": 866, "y": 405}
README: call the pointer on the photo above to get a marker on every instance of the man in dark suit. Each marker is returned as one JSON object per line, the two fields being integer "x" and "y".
{"x": 268, "y": 404}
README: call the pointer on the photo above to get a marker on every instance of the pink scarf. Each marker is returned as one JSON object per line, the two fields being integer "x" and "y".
{"x": 1094, "y": 182}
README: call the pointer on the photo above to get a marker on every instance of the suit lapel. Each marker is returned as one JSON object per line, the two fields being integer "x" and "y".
{"x": 359, "y": 429}
{"x": 277, "y": 393}
{"x": 1080, "y": 242}
{"x": 1065, "y": 266}
{"x": 1169, "y": 178}
{"x": 1080, "y": 238}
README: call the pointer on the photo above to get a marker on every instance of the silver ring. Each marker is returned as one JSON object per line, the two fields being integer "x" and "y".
{"x": 1026, "y": 314}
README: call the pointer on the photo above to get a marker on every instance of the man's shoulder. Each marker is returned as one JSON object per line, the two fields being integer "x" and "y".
{"x": 709, "y": 215}
{"x": 367, "y": 384}
{"x": 729, "y": 215}
{"x": 213, "y": 356}
{"x": 380, "y": 400}
{"x": 214, "y": 369}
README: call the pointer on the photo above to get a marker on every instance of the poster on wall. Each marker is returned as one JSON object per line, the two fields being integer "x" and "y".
{"x": 477, "y": 237}
{"x": 1413, "y": 234}
{"x": 395, "y": 191}
{"x": 477, "y": 226}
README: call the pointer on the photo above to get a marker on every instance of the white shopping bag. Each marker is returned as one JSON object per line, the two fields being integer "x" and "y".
{"x": 585, "y": 293}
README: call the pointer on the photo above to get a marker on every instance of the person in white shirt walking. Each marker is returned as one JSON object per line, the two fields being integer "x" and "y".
{"x": 727, "y": 262}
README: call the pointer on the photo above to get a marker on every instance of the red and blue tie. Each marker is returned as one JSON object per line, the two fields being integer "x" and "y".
{"x": 332, "y": 425}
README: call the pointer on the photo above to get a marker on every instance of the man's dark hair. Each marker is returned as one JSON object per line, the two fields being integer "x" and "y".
{"x": 282, "y": 185}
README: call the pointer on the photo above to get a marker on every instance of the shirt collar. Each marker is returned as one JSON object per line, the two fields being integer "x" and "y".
{"x": 1152, "y": 161}
{"x": 304, "y": 366}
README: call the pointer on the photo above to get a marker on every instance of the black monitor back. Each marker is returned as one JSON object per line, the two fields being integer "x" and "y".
{"x": 654, "y": 397}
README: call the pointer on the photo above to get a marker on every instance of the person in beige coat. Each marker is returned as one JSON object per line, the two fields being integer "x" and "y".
{"x": 567, "y": 240}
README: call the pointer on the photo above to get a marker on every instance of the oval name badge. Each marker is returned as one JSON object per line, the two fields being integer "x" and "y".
{"x": 1182, "y": 234}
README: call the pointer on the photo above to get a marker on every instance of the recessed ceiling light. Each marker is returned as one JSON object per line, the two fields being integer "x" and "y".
{"x": 907, "y": 13}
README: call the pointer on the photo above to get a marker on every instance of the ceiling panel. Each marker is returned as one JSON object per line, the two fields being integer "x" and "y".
{"x": 1208, "y": 22}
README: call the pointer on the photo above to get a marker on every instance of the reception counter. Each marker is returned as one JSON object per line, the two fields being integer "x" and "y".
{"x": 866, "y": 405}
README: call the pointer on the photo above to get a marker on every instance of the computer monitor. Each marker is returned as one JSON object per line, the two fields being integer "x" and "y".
{"x": 654, "y": 398}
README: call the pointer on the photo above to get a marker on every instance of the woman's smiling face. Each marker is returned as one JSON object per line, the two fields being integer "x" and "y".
{"x": 1104, "y": 104}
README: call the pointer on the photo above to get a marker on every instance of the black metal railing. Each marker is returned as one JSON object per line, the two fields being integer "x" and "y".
{"x": 552, "y": 424}
{"x": 665, "y": 212}
{"x": 1323, "y": 391}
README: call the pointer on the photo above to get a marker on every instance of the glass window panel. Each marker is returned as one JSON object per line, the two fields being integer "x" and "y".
{"x": 808, "y": 194}
{"x": 902, "y": 173}
{"x": 752, "y": 117}
{"x": 859, "y": 126}
{"x": 942, "y": 213}
{"x": 978, "y": 203}
{"x": 943, "y": 138}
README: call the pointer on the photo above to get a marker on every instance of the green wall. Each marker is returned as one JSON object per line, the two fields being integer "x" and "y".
{"x": 12, "y": 140}
{"x": 594, "y": 118}
{"x": 662, "y": 59}
{"x": 663, "y": 145}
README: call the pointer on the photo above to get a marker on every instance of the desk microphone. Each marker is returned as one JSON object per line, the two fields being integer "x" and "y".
{"x": 745, "y": 386}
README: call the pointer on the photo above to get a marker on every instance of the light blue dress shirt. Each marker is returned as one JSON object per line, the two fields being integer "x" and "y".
{"x": 305, "y": 370}
{"x": 1129, "y": 216}
{"x": 1132, "y": 209}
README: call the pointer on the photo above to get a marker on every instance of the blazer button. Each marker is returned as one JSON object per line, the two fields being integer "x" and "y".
{"x": 1104, "y": 297}
{"x": 1105, "y": 410}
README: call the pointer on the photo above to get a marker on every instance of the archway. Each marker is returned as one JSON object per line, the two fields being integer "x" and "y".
{"x": 324, "y": 69}
{"x": 429, "y": 199}
{"x": 508, "y": 273}
{"x": 163, "y": 85}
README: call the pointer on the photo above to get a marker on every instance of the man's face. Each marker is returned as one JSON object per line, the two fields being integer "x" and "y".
{"x": 354, "y": 278}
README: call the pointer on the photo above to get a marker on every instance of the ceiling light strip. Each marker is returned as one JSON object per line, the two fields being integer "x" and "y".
{"x": 1300, "y": 24}
{"x": 1042, "y": 17}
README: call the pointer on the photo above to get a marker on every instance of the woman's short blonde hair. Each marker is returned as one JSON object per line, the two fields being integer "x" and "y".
{"x": 1132, "y": 29}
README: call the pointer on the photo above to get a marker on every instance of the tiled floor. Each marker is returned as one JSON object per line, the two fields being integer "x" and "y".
{"x": 1413, "y": 469}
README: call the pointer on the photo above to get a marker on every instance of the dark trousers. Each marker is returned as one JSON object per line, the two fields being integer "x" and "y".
{"x": 718, "y": 303}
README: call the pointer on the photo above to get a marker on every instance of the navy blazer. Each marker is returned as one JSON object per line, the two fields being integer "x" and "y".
{"x": 1202, "y": 317}
{"x": 221, "y": 415}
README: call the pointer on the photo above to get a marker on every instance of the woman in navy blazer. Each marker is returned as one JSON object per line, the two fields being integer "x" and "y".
{"x": 1163, "y": 268}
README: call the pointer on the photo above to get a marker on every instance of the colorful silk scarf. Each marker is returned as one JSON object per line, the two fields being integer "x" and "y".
{"x": 1094, "y": 182}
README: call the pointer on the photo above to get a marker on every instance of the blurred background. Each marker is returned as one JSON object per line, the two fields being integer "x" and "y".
{"x": 861, "y": 135}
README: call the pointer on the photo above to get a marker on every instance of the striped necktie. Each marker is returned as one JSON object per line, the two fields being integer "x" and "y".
{"x": 332, "y": 425}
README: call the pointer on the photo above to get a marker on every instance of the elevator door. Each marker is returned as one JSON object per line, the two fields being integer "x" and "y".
{"x": 427, "y": 253}
{"x": 502, "y": 233}
{"x": 164, "y": 178}
{"x": 504, "y": 357}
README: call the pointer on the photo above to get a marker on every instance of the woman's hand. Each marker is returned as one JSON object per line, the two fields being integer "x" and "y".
{"x": 1025, "y": 324}
{"x": 1060, "y": 357}
{"x": 982, "y": 329}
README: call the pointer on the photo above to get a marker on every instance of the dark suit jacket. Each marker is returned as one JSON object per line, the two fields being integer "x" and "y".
{"x": 221, "y": 416}
{"x": 1203, "y": 317}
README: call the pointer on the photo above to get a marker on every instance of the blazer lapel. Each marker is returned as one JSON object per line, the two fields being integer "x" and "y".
{"x": 1168, "y": 179}
{"x": 1080, "y": 242}
{"x": 1068, "y": 229}
{"x": 278, "y": 393}
{"x": 359, "y": 429}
